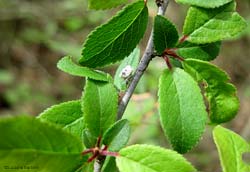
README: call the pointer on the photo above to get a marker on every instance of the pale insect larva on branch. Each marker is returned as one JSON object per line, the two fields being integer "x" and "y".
{"x": 126, "y": 72}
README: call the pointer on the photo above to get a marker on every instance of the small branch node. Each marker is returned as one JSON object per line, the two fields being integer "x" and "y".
{"x": 183, "y": 39}
{"x": 87, "y": 151}
{"x": 166, "y": 58}
{"x": 171, "y": 52}
{"x": 93, "y": 156}
{"x": 107, "y": 153}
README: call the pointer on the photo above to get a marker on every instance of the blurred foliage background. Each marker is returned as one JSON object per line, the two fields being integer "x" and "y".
{"x": 34, "y": 35}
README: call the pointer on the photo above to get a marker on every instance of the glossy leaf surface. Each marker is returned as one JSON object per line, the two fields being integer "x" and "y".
{"x": 67, "y": 115}
{"x": 212, "y": 25}
{"x": 165, "y": 34}
{"x": 39, "y": 145}
{"x": 117, "y": 38}
{"x": 231, "y": 147}
{"x": 221, "y": 95}
{"x": 182, "y": 111}
{"x": 67, "y": 65}
{"x": 206, "y": 52}
{"x": 146, "y": 158}
{"x": 117, "y": 135}
{"x": 99, "y": 103}
{"x": 205, "y": 4}
{"x": 102, "y": 5}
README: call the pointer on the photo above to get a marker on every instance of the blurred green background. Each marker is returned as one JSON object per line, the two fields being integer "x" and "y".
{"x": 34, "y": 35}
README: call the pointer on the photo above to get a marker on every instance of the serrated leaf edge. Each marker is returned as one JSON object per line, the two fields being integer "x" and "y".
{"x": 180, "y": 156}
{"x": 204, "y": 128}
{"x": 211, "y": 7}
{"x": 95, "y": 72}
{"x": 99, "y": 27}
{"x": 107, "y": 8}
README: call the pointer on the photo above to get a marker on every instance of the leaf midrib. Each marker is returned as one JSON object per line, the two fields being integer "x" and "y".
{"x": 235, "y": 154}
{"x": 100, "y": 112}
{"x": 73, "y": 122}
{"x": 195, "y": 46}
{"x": 117, "y": 37}
{"x": 180, "y": 116}
{"x": 209, "y": 20}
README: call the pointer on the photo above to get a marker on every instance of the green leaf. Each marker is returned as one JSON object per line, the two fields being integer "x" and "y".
{"x": 231, "y": 147}
{"x": 117, "y": 136}
{"x": 100, "y": 103}
{"x": 117, "y": 38}
{"x": 212, "y": 25}
{"x": 67, "y": 65}
{"x": 88, "y": 139}
{"x": 132, "y": 61}
{"x": 87, "y": 167}
{"x": 67, "y": 115}
{"x": 165, "y": 34}
{"x": 221, "y": 95}
{"x": 101, "y": 4}
{"x": 146, "y": 158}
{"x": 205, "y": 4}
{"x": 182, "y": 110}
{"x": 205, "y": 52}
{"x": 27, "y": 142}
{"x": 109, "y": 165}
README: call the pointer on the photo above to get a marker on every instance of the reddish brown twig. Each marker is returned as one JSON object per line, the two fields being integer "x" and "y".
{"x": 183, "y": 39}
{"x": 97, "y": 151}
{"x": 166, "y": 58}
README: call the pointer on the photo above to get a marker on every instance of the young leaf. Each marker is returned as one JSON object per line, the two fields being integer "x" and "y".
{"x": 132, "y": 62}
{"x": 146, "y": 158}
{"x": 67, "y": 65}
{"x": 204, "y": 4}
{"x": 165, "y": 34}
{"x": 88, "y": 139}
{"x": 100, "y": 102}
{"x": 182, "y": 111}
{"x": 67, "y": 115}
{"x": 25, "y": 141}
{"x": 205, "y": 52}
{"x": 231, "y": 147}
{"x": 101, "y": 4}
{"x": 117, "y": 38}
{"x": 117, "y": 136}
{"x": 211, "y": 25}
{"x": 221, "y": 95}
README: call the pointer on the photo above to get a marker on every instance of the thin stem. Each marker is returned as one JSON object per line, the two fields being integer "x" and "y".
{"x": 93, "y": 157}
{"x": 87, "y": 151}
{"x": 146, "y": 58}
{"x": 107, "y": 153}
{"x": 163, "y": 7}
{"x": 166, "y": 58}
{"x": 183, "y": 39}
